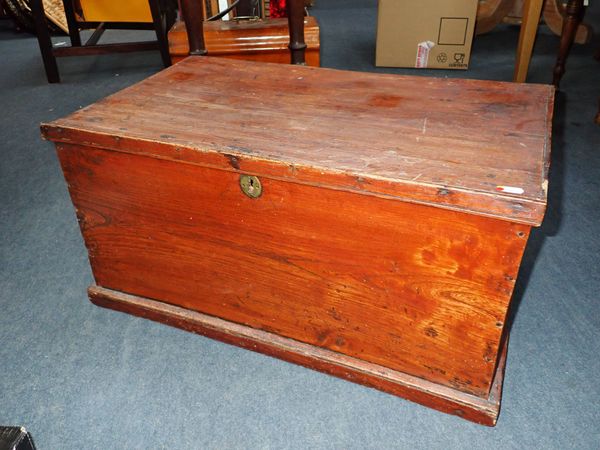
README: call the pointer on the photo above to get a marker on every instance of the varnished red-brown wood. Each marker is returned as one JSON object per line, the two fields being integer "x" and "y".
{"x": 451, "y": 401}
{"x": 414, "y": 288}
{"x": 260, "y": 40}
{"x": 384, "y": 239}
{"x": 449, "y": 143}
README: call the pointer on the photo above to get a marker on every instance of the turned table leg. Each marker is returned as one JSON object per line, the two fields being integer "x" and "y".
{"x": 193, "y": 16}
{"x": 296, "y": 24}
{"x": 554, "y": 14}
{"x": 532, "y": 9}
{"x": 572, "y": 21}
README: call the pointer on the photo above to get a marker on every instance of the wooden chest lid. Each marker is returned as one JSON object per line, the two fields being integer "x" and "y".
{"x": 476, "y": 146}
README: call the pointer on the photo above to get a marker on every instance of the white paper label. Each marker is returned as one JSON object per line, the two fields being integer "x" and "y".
{"x": 510, "y": 189}
{"x": 423, "y": 49}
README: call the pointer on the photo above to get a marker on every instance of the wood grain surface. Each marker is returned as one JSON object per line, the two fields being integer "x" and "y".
{"x": 451, "y": 401}
{"x": 414, "y": 288}
{"x": 451, "y": 143}
{"x": 260, "y": 40}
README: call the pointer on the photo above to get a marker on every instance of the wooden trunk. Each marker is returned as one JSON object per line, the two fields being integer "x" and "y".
{"x": 379, "y": 241}
{"x": 255, "y": 40}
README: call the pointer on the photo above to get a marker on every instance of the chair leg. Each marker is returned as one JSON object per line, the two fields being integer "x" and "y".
{"x": 193, "y": 16}
{"x": 44, "y": 41}
{"x": 295, "y": 9}
{"x": 574, "y": 16}
{"x": 72, "y": 23}
{"x": 532, "y": 10}
{"x": 161, "y": 32}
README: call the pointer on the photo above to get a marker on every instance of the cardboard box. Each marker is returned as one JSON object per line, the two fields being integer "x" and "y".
{"x": 425, "y": 34}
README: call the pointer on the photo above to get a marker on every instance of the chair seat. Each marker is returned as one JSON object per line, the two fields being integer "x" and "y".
{"x": 116, "y": 11}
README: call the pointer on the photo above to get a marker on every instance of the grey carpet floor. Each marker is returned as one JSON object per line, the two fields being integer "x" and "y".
{"x": 82, "y": 377}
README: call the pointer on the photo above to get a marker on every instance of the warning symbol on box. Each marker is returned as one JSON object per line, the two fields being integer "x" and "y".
{"x": 442, "y": 58}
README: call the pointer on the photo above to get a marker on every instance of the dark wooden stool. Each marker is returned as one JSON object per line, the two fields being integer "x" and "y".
{"x": 193, "y": 15}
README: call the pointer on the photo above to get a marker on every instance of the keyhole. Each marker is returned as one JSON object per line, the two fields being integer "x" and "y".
{"x": 250, "y": 186}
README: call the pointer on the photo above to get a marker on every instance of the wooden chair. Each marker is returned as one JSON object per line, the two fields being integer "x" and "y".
{"x": 162, "y": 19}
{"x": 193, "y": 15}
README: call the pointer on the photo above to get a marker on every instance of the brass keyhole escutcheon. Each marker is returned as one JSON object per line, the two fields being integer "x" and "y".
{"x": 250, "y": 186}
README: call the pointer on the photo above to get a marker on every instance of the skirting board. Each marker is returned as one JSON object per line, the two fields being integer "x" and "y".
{"x": 441, "y": 398}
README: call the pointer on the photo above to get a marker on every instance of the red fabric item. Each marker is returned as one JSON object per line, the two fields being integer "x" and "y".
{"x": 277, "y": 8}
